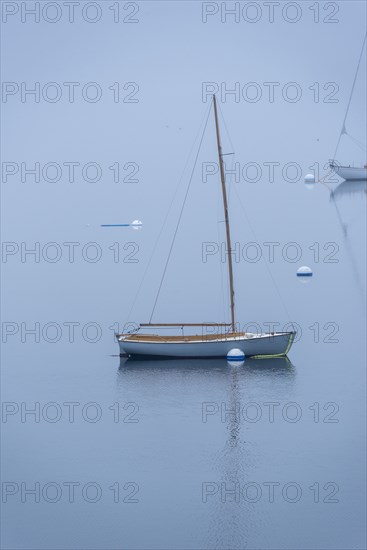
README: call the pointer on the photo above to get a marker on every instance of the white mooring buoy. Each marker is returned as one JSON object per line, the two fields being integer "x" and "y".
{"x": 309, "y": 178}
{"x": 304, "y": 273}
{"x": 235, "y": 356}
{"x": 136, "y": 224}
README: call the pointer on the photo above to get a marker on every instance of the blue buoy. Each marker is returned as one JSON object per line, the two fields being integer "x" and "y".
{"x": 235, "y": 356}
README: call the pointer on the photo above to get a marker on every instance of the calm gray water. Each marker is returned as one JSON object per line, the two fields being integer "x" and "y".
{"x": 100, "y": 452}
{"x": 195, "y": 447}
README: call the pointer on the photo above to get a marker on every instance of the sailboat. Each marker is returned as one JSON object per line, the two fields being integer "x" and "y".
{"x": 350, "y": 173}
{"x": 206, "y": 343}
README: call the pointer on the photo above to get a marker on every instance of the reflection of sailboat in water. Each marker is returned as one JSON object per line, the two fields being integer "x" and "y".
{"x": 235, "y": 523}
{"x": 232, "y": 521}
{"x": 276, "y": 366}
{"x": 350, "y": 173}
{"x": 349, "y": 188}
{"x": 343, "y": 190}
{"x": 230, "y": 455}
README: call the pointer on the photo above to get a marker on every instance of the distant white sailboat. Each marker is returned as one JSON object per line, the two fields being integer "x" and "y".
{"x": 207, "y": 344}
{"x": 350, "y": 173}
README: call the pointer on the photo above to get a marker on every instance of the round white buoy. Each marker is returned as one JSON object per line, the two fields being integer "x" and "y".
{"x": 136, "y": 224}
{"x": 235, "y": 356}
{"x": 304, "y": 273}
{"x": 309, "y": 178}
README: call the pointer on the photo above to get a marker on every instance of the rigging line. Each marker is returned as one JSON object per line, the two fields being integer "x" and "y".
{"x": 182, "y": 209}
{"x": 266, "y": 263}
{"x": 357, "y": 142}
{"x": 229, "y": 180}
{"x": 253, "y": 232}
{"x": 248, "y": 221}
{"x": 224, "y": 308}
{"x": 225, "y": 126}
{"x": 321, "y": 180}
{"x": 350, "y": 97}
{"x": 219, "y": 212}
{"x": 233, "y": 149}
{"x": 165, "y": 219}
{"x": 232, "y": 154}
{"x": 230, "y": 183}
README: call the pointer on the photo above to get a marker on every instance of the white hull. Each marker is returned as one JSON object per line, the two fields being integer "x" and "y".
{"x": 350, "y": 172}
{"x": 277, "y": 344}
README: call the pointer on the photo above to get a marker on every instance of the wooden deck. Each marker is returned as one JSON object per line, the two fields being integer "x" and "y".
{"x": 183, "y": 338}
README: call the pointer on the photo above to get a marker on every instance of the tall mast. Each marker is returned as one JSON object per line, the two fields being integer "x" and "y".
{"x": 226, "y": 217}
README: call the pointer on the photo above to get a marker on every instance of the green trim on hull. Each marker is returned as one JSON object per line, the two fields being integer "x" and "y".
{"x": 284, "y": 354}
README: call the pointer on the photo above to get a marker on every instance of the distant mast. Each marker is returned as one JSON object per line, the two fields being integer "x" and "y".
{"x": 226, "y": 217}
